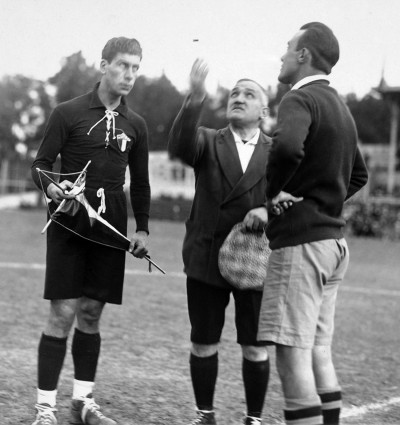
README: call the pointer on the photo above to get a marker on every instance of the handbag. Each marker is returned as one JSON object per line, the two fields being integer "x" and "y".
{"x": 243, "y": 258}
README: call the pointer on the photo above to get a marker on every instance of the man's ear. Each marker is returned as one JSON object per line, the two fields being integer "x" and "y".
{"x": 103, "y": 65}
{"x": 264, "y": 112}
{"x": 304, "y": 55}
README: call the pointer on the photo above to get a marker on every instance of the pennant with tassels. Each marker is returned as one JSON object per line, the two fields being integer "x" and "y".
{"x": 79, "y": 217}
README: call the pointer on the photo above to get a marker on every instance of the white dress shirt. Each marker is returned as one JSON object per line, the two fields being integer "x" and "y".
{"x": 245, "y": 150}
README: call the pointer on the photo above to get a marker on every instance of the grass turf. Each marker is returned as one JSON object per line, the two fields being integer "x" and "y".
{"x": 143, "y": 375}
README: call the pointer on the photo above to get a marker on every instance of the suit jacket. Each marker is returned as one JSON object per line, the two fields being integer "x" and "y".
{"x": 223, "y": 195}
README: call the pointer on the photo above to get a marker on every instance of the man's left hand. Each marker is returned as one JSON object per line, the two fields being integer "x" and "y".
{"x": 138, "y": 245}
{"x": 256, "y": 219}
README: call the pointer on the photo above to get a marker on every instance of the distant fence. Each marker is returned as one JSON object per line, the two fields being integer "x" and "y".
{"x": 167, "y": 178}
{"x": 15, "y": 176}
{"x": 173, "y": 185}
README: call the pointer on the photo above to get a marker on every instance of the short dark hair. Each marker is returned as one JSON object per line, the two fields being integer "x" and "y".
{"x": 121, "y": 45}
{"x": 322, "y": 43}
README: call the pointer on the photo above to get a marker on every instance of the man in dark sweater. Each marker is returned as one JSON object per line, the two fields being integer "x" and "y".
{"x": 314, "y": 156}
{"x": 81, "y": 276}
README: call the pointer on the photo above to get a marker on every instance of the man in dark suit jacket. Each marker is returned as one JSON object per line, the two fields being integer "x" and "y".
{"x": 315, "y": 156}
{"x": 229, "y": 166}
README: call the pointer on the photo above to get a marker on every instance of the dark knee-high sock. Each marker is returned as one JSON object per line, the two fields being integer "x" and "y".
{"x": 331, "y": 404}
{"x": 204, "y": 371}
{"x": 51, "y": 354}
{"x": 85, "y": 353}
{"x": 255, "y": 379}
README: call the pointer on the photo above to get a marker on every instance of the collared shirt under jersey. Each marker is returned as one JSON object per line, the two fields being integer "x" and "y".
{"x": 245, "y": 150}
{"x": 310, "y": 79}
{"x": 315, "y": 156}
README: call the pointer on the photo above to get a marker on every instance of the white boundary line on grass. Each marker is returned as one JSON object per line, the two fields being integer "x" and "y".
{"x": 360, "y": 411}
{"x": 388, "y": 292}
{"x": 29, "y": 266}
{"x": 39, "y": 266}
{"x": 359, "y": 289}
{"x": 356, "y": 411}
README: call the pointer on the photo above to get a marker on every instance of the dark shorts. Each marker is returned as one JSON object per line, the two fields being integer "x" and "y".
{"x": 76, "y": 267}
{"x": 207, "y": 305}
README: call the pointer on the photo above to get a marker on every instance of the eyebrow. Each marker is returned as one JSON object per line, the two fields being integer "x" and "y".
{"x": 125, "y": 62}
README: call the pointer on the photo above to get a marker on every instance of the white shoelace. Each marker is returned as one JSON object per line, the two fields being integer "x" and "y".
{"x": 89, "y": 405}
{"x": 110, "y": 116}
{"x": 197, "y": 420}
{"x": 45, "y": 414}
{"x": 201, "y": 414}
{"x": 255, "y": 421}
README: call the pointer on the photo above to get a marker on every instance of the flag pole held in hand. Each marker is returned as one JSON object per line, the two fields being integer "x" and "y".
{"x": 147, "y": 257}
{"x": 64, "y": 200}
{"x": 79, "y": 217}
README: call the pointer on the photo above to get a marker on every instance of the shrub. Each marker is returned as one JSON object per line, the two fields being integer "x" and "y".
{"x": 381, "y": 220}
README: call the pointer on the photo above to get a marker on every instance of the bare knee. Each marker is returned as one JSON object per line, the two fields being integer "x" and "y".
{"x": 294, "y": 367}
{"x": 322, "y": 355}
{"x": 292, "y": 360}
{"x": 324, "y": 370}
{"x": 254, "y": 353}
{"x": 88, "y": 314}
{"x": 61, "y": 317}
{"x": 204, "y": 350}
{"x": 322, "y": 361}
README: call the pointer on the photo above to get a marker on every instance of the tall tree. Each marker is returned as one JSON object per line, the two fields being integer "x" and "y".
{"x": 158, "y": 102}
{"x": 24, "y": 109}
{"x": 214, "y": 110}
{"x": 275, "y": 98}
{"x": 75, "y": 78}
{"x": 372, "y": 117}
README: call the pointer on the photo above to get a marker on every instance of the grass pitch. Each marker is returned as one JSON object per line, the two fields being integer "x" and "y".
{"x": 143, "y": 375}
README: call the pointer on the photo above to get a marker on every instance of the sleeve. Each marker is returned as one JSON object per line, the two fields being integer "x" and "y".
{"x": 55, "y": 134}
{"x": 287, "y": 152}
{"x": 359, "y": 175}
{"x": 140, "y": 192}
{"x": 184, "y": 141}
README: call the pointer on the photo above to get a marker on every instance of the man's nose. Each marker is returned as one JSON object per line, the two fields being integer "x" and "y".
{"x": 129, "y": 74}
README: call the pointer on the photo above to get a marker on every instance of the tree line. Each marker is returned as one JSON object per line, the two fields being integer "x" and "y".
{"x": 26, "y": 104}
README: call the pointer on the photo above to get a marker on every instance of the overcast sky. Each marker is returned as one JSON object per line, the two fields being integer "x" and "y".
{"x": 238, "y": 38}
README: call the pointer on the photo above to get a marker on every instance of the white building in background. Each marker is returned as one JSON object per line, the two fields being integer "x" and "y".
{"x": 169, "y": 178}
{"x": 174, "y": 179}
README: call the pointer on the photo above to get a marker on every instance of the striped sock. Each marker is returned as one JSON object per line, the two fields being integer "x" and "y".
{"x": 331, "y": 400}
{"x": 303, "y": 411}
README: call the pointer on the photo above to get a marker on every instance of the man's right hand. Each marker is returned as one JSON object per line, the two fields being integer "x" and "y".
{"x": 282, "y": 202}
{"x": 57, "y": 194}
{"x": 198, "y": 76}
